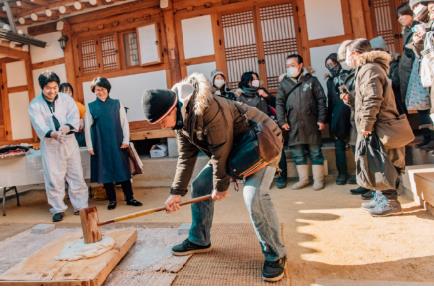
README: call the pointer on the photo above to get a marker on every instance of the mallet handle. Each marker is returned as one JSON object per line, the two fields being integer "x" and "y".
{"x": 151, "y": 211}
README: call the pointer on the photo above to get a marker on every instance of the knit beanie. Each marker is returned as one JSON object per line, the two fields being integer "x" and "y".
{"x": 157, "y": 103}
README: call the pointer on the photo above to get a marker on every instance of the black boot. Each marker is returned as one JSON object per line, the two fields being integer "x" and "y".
{"x": 352, "y": 180}
{"x": 341, "y": 162}
{"x": 359, "y": 191}
{"x": 134, "y": 203}
{"x": 111, "y": 205}
{"x": 368, "y": 195}
{"x": 57, "y": 217}
{"x": 273, "y": 271}
{"x": 426, "y": 132}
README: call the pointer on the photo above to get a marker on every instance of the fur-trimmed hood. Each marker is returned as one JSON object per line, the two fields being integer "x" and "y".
{"x": 380, "y": 57}
{"x": 201, "y": 90}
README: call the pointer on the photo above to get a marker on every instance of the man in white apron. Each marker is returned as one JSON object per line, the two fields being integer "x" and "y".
{"x": 55, "y": 117}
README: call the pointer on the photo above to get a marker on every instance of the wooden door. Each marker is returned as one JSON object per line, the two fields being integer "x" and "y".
{"x": 259, "y": 39}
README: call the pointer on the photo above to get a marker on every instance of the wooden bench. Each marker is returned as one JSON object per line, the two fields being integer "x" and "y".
{"x": 140, "y": 130}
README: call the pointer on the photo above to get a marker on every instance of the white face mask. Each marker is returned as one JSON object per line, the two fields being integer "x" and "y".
{"x": 255, "y": 83}
{"x": 219, "y": 83}
{"x": 349, "y": 61}
{"x": 292, "y": 72}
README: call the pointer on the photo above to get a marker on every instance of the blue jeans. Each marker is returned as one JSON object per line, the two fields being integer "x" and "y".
{"x": 258, "y": 202}
{"x": 299, "y": 154}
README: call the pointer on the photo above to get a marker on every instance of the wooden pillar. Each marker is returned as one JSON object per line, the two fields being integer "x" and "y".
{"x": 70, "y": 63}
{"x": 31, "y": 87}
{"x": 358, "y": 19}
{"x": 304, "y": 37}
{"x": 5, "y": 103}
{"x": 172, "y": 50}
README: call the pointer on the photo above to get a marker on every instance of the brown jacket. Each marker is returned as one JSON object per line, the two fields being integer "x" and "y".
{"x": 210, "y": 125}
{"x": 374, "y": 99}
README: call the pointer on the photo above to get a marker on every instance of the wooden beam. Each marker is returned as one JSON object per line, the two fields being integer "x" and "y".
{"x": 17, "y": 89}
{"x": 48, "y": 63}
{"x": 303, "y": 33}
{"x": 42, "y": 29}
{"x": 19, "y": 54}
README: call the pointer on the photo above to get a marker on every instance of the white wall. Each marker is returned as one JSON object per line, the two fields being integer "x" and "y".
{"x": 324, "y": 18}
{"x": 318, "y": 56}
{"x": 20, "y": 121}
{"x": 197, "y": 36}
{"x": 129, "y": 90}
{"x": 205, "y": 68}
{"x": 59, "y": 69}
{"x": 16, "y": 73}
{"x": 51, "y": 51}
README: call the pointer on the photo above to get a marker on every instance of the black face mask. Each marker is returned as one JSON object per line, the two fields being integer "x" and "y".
{"x": 334, "y": 71}
{"x": 179, "y": 121}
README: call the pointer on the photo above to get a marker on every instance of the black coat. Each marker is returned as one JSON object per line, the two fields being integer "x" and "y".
{"x": 301, "y": 103}
{"x": 339, "y": 114}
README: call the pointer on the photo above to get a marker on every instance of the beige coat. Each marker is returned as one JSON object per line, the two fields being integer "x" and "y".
{"x": 374, "y": 99}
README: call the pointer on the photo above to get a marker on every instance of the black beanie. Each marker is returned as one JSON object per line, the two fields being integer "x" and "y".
{"x": 157, "y": 103}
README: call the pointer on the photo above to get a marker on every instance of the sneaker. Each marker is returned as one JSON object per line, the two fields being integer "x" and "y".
{"x": 187, "y": 248}
{"x": 281, "y": 182}
{"x": 57, "y": 217}
{"x": 378, "y": 197}
{"x": 111, "y": 205}
{"x": 76, "y": 212}
{"x": 386, "y": 208}
{"x": 368, "y": 196}
{"x": 352, "y": 180}
{"x": 273, "y": 271}
{"x": 341, "y": 180}
{"x": 359, "y": 191}
{"x": 134, "y": 203}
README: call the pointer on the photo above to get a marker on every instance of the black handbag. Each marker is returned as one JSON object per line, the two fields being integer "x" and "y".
{"x": 373, "y": 168}
{"x": 244, "y": 159}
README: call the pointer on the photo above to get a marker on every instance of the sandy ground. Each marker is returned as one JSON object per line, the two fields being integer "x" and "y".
{"x": 328, "y": 237}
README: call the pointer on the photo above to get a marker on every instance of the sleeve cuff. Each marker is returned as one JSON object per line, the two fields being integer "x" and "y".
{"x": 178, "y": 192}
{"x": 48, "y": 134}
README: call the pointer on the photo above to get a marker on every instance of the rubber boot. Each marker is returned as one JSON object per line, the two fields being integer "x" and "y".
{"x": 303, "y": 177}
{"x": 318, "y": 177}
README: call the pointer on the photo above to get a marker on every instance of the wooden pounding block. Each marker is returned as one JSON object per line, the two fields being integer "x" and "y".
{"x": 41, "y": 268}
{"x": 89, "y": 225}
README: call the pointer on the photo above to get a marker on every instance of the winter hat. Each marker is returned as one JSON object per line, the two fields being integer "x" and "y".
{"x": 378, "y": 43}
{"x": 216, "y": 72}
{"x": 404, "y": 9}
{"x": 157, "y": 103}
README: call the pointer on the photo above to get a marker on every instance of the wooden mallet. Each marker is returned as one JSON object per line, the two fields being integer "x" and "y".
{"x": 90, "y": 223}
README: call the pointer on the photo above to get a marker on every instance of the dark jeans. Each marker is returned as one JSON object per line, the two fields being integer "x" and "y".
{"x": 341, "y": 158}
{"x": 111, "y": 191}
{"x": 300, "y": 153}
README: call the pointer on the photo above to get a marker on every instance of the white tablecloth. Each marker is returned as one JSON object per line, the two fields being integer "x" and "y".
{"x": 27, "y": 170}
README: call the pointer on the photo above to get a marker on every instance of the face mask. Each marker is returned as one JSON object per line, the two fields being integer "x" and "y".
{"x": 334, "y": 71}
{"x": 349, "y": 61}
{"x": 219, "y": 83}
{"x": 292, "y": 72}
{"x": 255, "y": 83}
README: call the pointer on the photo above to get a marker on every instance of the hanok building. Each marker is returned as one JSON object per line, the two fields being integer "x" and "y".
{"x": 143, "y": 44}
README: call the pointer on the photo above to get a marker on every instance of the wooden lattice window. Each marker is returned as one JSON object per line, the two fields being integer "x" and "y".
{"x": 279, "y": 39}
{"x": 89, "y": 62}
{"x": 109, "y": 52}
{"x": 99, "y": 54}
{"x": 240, "y": 45}
{"x": 384, "y": 21}
{"x": 264, "y": 53}
{"x": 131, "y": 49}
